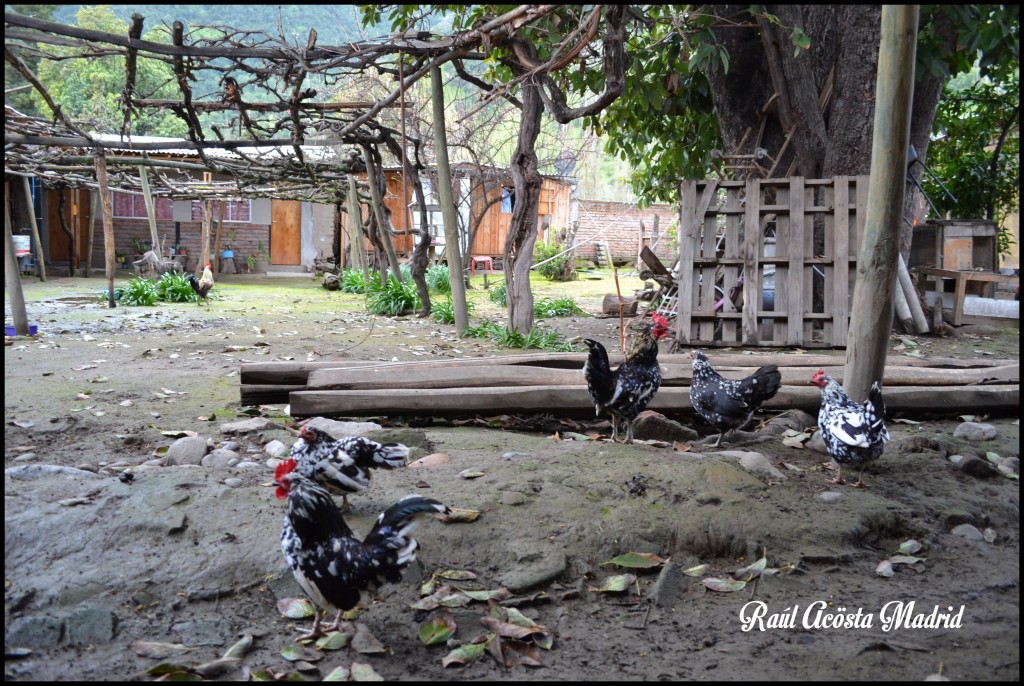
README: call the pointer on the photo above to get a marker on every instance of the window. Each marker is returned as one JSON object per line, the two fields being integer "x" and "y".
{"x": 133, "y": 206}
{"x": 234, "y": 210}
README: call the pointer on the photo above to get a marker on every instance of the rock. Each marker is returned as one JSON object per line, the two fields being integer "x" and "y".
{"x": 38, "y": 471}
{"x": 816, "y": 443}
{"x": 755, "y": 463}
{"x": 977, "y": 467}
{"x": 24, "y": 457}
{"x": 229, "y": 445}
{"x": 187, "y": 450}
{"x": 203, "y": 632}
{"x": 668, "y": 587}
{"x": 708, "y": 498}
{"x": 233, "y": 482}
{"x": 90, "y": 627}
{"x": 1009, "y": 465}
{"x": 248, "y": 464}
{"x": 276, "y": 449}
{"x": 797, "y": 420}
{"x": 652, "y": 425}
{"x": 39, "y": 633}
{"x": 974, "y": 431}
{"x": 220, "y": 458}
{"x": 512, "y": 498}
{"x": 248, "y": 426}
{"x": 829, "y": 497}
{"x": 720, "y": 475}
{"x": 534, "y": 569}
{"x": 510, "y": 455}
{"x": 342, "y": 429}
{"x": 968, "y": 531}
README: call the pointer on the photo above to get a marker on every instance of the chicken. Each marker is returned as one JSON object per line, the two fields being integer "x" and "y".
{"x": 854, "y": 433}
{"x": 728, "y": 404}
{"x": 335, "y": 569}
{"x": 626, "y": 391}
{"x": 203, "y": 285}
{"x": 342, "y": 466}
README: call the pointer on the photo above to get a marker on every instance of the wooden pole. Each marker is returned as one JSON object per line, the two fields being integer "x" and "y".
{"x": 147, "y": 197}
{"x": 914, "y": 305}
{"x": 107, "y": 205}
{"x": 215, "y": 262}
{"x": 446, "y": 199}
{"x": 867, "y": 342}
{"x": 35, "y": 231}
{"x": 378, "y": 213}
{"x": 355, "y": 227}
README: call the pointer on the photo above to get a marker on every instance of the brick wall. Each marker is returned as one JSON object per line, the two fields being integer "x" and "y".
{"x": 619, "y": 225}
{"x": 246, "y": 241}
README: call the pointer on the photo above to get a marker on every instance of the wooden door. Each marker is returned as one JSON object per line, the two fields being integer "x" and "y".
{"x": 77, "y": 214}
{"x": 286, "y": 232}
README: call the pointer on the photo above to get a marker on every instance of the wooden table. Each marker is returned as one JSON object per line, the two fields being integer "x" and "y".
{"x": 962, "y": 277}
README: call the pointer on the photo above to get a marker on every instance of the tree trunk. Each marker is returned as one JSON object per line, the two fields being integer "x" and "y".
{"x": 522, "y": 230}
{"x": 61, "y": 206}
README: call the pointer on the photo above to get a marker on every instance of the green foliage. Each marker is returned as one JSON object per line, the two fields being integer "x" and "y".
{"x": 561, "y": 268}
{"x": 975, "y": 149}
{"x": 498, "y": 294}
{"x": 563, "y": 306}
{"x": 506, "y": 338}
{"x": 90, "y": 90}
{"x": 438, "y": 279}
{"x": 139, "y": 291}
{"x": 391, "y": 297}
{"x": 175, "y": 288}
{"x": 444, "y": 312}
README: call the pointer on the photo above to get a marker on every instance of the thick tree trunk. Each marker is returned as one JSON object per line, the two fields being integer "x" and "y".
{"x": 522, "y": 230}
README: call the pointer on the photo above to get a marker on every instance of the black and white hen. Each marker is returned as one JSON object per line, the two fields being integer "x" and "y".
{"x": 343, "y": 465}
{"x": 336, "y": 570}
{"x": 854, "y": 433}
{"x": 728, "y": 404}
{"x": 624, "y": 392}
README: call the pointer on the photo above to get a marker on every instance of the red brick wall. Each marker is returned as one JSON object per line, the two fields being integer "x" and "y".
{"x": 619, "y": 225}
{"x": 246, "y": 241}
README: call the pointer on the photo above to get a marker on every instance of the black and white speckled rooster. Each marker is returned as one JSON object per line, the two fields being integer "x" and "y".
{"x": 854, "y": 433}
{"x": 624, "y": 392}
{"x": 728, "y": 404}
{"x": 336, "y": 570}
{"x": 343, "y": 465}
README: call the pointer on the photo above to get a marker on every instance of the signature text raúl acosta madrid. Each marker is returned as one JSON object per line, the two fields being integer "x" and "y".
{"x": 897, "y": 614}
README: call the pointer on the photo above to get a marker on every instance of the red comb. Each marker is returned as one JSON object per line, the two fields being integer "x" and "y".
{"x": 284, "y": 468}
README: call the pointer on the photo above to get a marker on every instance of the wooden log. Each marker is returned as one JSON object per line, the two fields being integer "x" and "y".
{"x": 430, "y": 376}
{"x": 612, "y": 302}
{"x": 297, "y": 372}
{"x": 263, "y": 394}
{"x": 574, "y": 401}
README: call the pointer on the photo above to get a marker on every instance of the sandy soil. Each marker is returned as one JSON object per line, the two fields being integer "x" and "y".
{"x": 98, "y": 568}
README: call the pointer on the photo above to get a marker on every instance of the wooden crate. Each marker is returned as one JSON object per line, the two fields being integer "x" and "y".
{"x": 788, "y": 245}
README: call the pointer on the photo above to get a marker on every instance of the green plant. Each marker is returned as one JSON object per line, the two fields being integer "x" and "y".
{"x": 250, "y": 262}
{"x": 502, "y": 336}
{"x": 444, "y": 312}
{"x": 563, "y": 306}
{"x": 175, "y": 288}
{"x": 352, "y": 281}
{"x": 137, "y": 244}
{"x": 438, "y": 279}
{"x": 391, "y": 297}
{"x": 555, "y": 266}
{"x": 498, "y": 294}
{"x": 139, "y": 291}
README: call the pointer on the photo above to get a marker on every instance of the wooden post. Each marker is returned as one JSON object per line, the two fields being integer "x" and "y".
{"x": 215, "y": 262}
{"x": 147, "y": 197}
{"x": 872, "y": 311}
{"x": 378, "y": 213}
{"x": 447, "y": 202}
{"x": 107, "y": 205}
{"x": 35, "y": 230}
{"x": 355, "y": 226}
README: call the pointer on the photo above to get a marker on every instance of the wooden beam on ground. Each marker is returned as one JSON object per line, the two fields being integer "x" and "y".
{"x": 574, "y": 401}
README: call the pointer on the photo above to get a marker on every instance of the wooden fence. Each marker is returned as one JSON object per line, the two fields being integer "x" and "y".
{"x": 768, "y": 262}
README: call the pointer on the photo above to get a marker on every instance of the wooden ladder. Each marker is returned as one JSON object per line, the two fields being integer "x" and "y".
{"x": 604, "y": 255}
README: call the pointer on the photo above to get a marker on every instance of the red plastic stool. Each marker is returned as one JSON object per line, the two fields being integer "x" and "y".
{"x": 486, "y": 262}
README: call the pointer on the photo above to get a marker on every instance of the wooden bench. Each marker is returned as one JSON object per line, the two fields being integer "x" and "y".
{"x": 963, "y": 277}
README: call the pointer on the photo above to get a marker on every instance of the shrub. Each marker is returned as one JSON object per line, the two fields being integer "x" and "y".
{"x": 391, "y": 297}
{"x": 506, "y": 338}
{"x": 352, "y": 281}
{"x": 139, "y": 291}
{"x": 561, "y": 268}
{"x": 563, "y": 306}
{"x": 175, "y": 288}
{"x": 438, "y": 279}
{"x": 498, "y": 294}
{"x": 444, "y": 313}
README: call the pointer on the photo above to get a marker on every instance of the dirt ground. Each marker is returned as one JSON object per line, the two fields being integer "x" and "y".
{"x": 106, "y": 578}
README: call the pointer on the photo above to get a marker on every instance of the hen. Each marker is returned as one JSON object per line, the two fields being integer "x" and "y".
{"x": 725, "y": 403}
{"x": 335, "y": 569}
{"x": 624, "y": 392}
{"x": 342, "y": 466}
{"x": 854, "y": 433}
{"x": 203, "y": 285}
